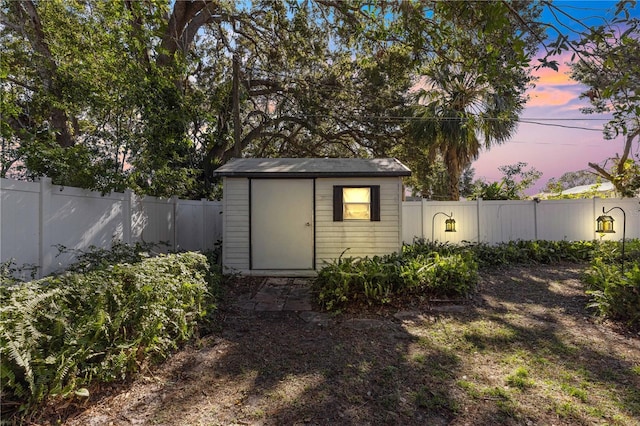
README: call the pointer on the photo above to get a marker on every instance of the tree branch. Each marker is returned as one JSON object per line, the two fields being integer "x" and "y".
{"x": 627, "y": 150}
{"x": 21, "y": 84}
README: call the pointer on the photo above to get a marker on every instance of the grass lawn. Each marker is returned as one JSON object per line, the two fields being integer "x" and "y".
{"x": 524, "y": 351}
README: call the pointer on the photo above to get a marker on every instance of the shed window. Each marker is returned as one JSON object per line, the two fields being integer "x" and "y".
{"x": 356, "y": 203}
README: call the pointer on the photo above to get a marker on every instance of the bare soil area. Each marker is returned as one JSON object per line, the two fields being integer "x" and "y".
{"x": 524, "y": 350}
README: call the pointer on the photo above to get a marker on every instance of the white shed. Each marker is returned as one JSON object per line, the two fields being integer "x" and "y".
{"x": 287, "y": 216}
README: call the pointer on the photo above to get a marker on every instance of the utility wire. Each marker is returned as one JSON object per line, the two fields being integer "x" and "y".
{"x": 559, "y": 125}
{"x": 401, "y": 119}
{"x": 554, "y": 144}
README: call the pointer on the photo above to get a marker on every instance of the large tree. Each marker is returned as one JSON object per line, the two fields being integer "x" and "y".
{"x": 608, "y": 63}
{"x": 461, "y": 113}
{"x": 154, "y": 95}
{"x": 474, "y": 90}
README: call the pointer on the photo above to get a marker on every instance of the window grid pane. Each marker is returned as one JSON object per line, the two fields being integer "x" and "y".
{"x": 356, "y": 195}
{"x": 356, "y": 203}
{"x": 356, "y": 211}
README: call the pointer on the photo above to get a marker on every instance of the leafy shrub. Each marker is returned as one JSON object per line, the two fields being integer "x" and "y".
{"x": 513, "y": 252}
{"x": 60, "y": 333}
{"x": 11, "y": 273}
{"x": 380, "y": 279}
{"x": 99, "y": 258}
{"x": 436, "y": 269}
{"x": 613, "y": 294}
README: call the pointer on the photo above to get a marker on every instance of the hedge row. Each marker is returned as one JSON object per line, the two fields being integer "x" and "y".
{"x": 382, "y": 279}
{"x": 615, "y": 294}
{"x": 437, "y": 269}
{"x": 514, "y": 252}
{"x": 60, "y": 333}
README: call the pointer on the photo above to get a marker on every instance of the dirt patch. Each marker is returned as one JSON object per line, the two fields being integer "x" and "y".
{"x": 524, "y": 351}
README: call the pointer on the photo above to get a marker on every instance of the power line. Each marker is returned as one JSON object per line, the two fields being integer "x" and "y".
{"x": 565, "y": 119}
{"x": 559, "y": 125}
{"x": 554, "y": 144}
{"x": 400, "y": 119}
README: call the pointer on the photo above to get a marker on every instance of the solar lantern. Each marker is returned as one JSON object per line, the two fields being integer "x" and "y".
{"x": 604, "y": 225}
{"x": 449, "y": 224}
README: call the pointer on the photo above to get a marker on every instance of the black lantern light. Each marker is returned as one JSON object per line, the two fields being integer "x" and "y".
{"x": 449, "y": 224}
{"x": 604, "y": 225}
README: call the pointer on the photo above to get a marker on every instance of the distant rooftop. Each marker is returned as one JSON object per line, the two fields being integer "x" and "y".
{"x": 595, "y": 187}
{"x": 313, "y": 167}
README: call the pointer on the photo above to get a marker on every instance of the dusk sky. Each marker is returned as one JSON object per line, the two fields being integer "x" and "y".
{"x": 556, "y": 150}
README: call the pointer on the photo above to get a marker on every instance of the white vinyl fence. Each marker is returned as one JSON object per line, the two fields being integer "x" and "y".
{"x": 501, "y": 221}
{"x": 37, "y": 217}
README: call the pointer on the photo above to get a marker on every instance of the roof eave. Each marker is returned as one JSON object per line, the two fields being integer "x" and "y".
{"x": 311, "y": 174}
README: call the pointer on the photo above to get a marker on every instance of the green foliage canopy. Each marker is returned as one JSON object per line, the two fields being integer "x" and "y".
{"x": 516, "y": 179}
{"x": 607, "y": 63}
{"x": 155, "y": 95}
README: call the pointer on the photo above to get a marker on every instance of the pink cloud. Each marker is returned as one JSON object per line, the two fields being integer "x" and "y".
{"x": 554, "y": 87}
{"x": 548, "y": 97}
{"x": 547, "y": 146}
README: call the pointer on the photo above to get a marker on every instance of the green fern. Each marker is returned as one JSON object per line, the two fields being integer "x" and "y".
{"x": 60, "y": 333}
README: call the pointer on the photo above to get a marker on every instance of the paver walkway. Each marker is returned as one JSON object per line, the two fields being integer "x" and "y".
{"x": 280, "y": 294}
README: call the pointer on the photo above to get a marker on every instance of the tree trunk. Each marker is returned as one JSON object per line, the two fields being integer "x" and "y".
{"x": 31, "y": 26}
{"x": 236, "y": 107}
{"x": 619, "y": 184}
{"x": 454, "y": 170}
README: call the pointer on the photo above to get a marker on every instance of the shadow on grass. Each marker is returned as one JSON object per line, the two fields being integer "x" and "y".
{"x": 551, "y": 324}
{"x": 426, "y": 369}
{"x": 280, "y": 370}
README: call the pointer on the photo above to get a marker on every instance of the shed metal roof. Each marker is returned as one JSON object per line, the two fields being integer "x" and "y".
{"x": 313, "y": 167}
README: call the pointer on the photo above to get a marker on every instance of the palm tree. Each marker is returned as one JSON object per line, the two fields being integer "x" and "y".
{"x": 458, "y": 112}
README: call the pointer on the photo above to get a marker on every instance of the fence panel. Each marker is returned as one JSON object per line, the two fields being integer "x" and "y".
{"x": 632, "y": 213}
{"x": 190, "y": 219}
{"x": 502, "y": 221}
{"x": 198, "y": 224}
{"x": 76, "y": 219}
{"x": 36, "y": 217}
{"x": 434, "y": 215}
{"x": 20, "y": 222}
{"x": 569, "y": 220}
{"x": 412, "y": 221}
{"x": 154, "y": 222}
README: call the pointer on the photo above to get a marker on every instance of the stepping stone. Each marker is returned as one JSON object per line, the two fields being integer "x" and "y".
{"x": 277, "y": 281}
{"x": 273, "y": 306}
{"x": 248, "y": 305}
{"x": 297, "y": 305}
{"x": 363, "y": 324}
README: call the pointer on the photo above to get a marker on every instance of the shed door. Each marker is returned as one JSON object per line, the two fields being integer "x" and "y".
{"x": 282, "y": 224}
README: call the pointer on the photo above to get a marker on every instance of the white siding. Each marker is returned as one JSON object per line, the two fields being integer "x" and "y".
{"x": 235, "y": 240}
{"x": 362, "y": 238}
